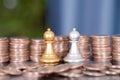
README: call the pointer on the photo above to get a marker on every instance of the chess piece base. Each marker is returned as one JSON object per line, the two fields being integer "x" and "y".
{"x": 51, "y": 60}
{"x": 73, "y": 58}
{"x": 49, "y": 64}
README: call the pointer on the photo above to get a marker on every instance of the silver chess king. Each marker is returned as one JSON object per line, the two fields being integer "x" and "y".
{"x": 74, "y": 54}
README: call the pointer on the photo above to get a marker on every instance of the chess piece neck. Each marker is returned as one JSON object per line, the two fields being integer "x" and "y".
{"x": 49, "y": 49}
{"x": 74, "y": 48}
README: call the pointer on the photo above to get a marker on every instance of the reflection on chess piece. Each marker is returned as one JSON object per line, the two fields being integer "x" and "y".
{"x": 49, "y": 57}
{"x": 74, "y": 55}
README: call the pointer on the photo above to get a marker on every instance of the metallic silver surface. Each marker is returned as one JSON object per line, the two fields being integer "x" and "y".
{"x": 74, "y": 54}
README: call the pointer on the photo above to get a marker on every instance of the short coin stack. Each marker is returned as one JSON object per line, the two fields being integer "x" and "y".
{"x": 37, "y": 48}
{"x": 61, "y": 45}
{"x": 94, "y": 70}
{"x": 4, "y": 56}
{"x": 84, "y": 46}
{"x": 116, "y": 49}
{"x": 19, "y": 49}
{"x": 101, "y": 48}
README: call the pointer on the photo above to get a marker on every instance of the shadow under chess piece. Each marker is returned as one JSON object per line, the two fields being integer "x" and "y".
{"x": 49, "y": 57}
{"x": 74, "y": 54}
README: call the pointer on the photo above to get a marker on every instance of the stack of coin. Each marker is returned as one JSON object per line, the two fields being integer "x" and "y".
{"x": 116, "y": 49}
{"x": 101, "y": 48}
{"x": 94, "y": 70}
{"x": 84, "y": 46}
{"x": 61, "y": 45}
{"x": 37, "y": 48}
{"x": 4, "y": 56}
{"x": 19, "y": 49}
{"x": 113, "y": 70}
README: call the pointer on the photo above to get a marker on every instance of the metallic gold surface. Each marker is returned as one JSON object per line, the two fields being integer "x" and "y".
{"x": 49, "y": 57}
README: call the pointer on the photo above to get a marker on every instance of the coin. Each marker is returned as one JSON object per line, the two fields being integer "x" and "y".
{"x": 93, "y": 73}
{"x": 18, "y": 38}
{"x": 61, "y": 68}
{"x": 116, "y": 58}
{"x": 61, "y": 38}
{"x": 115, "y": 62}
{"x": 101, "y": 54}
{"x": 4, "y": 59}
{"x": 70, "y": 74}
{"x": 116, "y": 37}
{"x": 102, "y": 58}
{"x": 98, "y": 42}
{"x": 103, "y": 63}
{"x": 84, "y": 37}
{"x": 76, "y": 65}
{"x": 32, "y": 73}
{"x": 107, "y": 49}
{"x": 115, "y": 70}
{"x": 35, "y": 58}
{"x": 33, "y": 66}
{"x": 114, "y": 66}
{"x": 100, "y": 37}
{"x": 46, "y": 70}
{"x": 18, "y": 46}
{"x": 116, "y": 53}
{"x": 94, "y": 67}
{"x": 11, "y": 71}
{"x": 33, "y": 41}
{"x": 99, "y": 46}
{"x": 40, "y": 48}
{"x": 3, "y": 74}
{"x": 111, "y": 72}
{"x": 77, "y": 71}
{"x": 19, "y": 57}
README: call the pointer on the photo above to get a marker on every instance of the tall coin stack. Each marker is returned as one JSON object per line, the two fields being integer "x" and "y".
{"x": 61, "y": 45}
{"x": 19, "y": 49}
{"x": 101, "y": 48}
{"x": 84, "y": 46}
{"x": 4, "y": 56}
{"x": 116, "y": 49}
{"x": 37, "y": 48}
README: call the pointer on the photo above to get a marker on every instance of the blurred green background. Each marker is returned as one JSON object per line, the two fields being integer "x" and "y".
{"x": 22, "y": 18}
